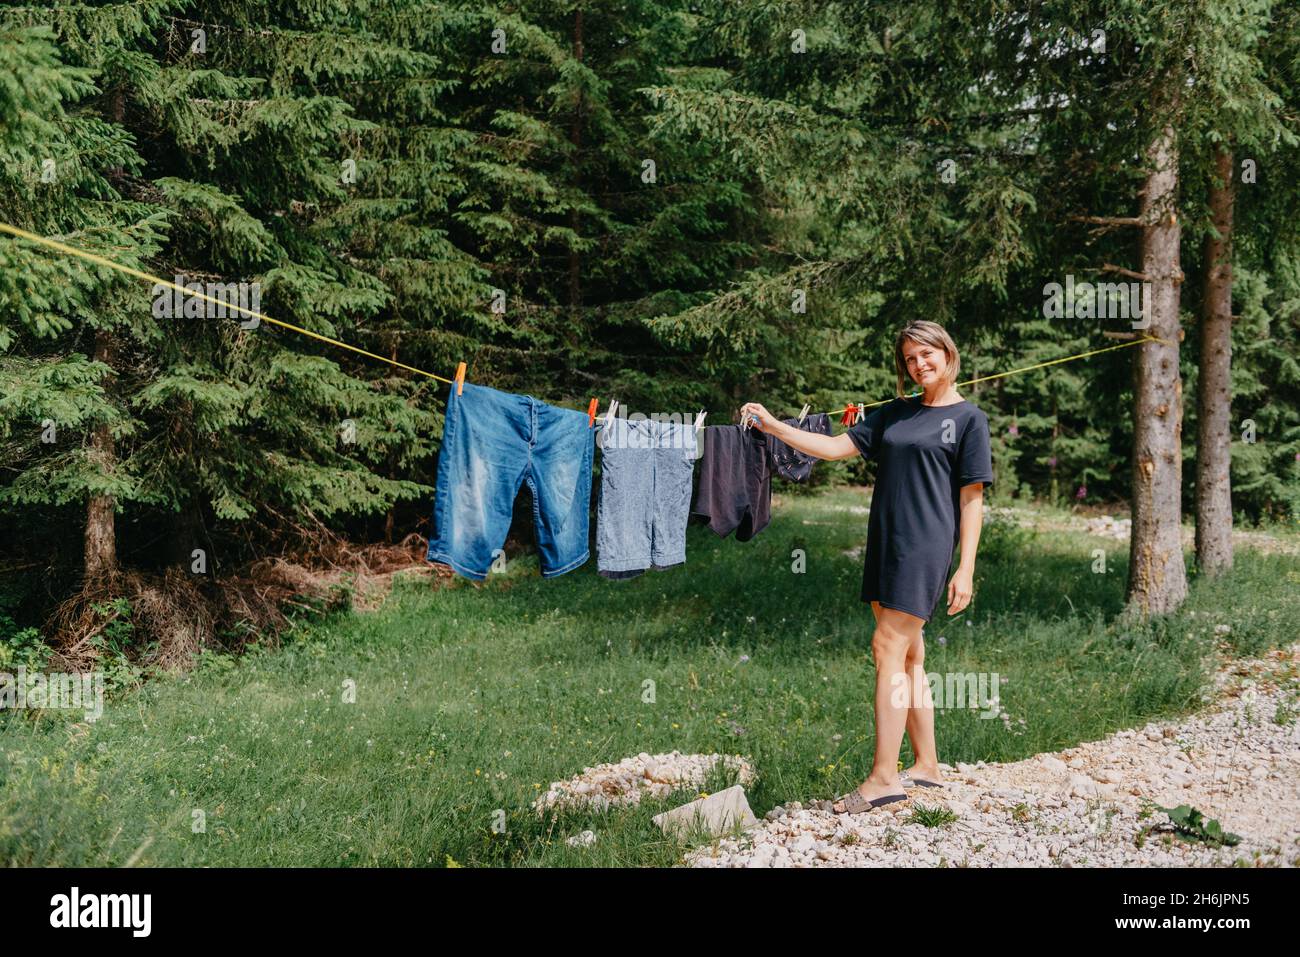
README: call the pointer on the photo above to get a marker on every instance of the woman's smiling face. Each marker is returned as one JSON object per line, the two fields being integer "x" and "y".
{"x": 926, "y": 364}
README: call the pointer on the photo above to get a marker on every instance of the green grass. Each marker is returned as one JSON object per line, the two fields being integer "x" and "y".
{"x": 471, "y": 699}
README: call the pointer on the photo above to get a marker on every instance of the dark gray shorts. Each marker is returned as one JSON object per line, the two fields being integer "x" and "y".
{"x": 735, "y": 492}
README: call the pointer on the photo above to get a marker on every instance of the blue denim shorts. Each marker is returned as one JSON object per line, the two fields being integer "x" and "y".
{"x": 646, "y": 468}
{"x": 493, "y": 442}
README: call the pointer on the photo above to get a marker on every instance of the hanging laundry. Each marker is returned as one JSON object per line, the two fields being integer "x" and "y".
{"x": 790, "y": 463}
{"x": 735, "y": 491}
{"x": 492, "y": 443}
{"x": 645, "y": 496}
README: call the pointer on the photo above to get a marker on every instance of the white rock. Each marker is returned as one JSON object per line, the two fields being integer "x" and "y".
{"x": 717, "y": 813}
{"x": 585, "y": 839}
{"x": 1083, "y": 786}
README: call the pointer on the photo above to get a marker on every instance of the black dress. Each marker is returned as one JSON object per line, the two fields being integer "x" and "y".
{"x": 925, "y": 455}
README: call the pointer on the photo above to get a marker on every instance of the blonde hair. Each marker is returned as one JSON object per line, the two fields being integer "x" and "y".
{"x": 926, "y": 333}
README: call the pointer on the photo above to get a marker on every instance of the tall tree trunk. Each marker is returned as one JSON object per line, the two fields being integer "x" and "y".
{"x": 392, "y": 462}
{"x": 101, "y": 534}
{"x": 185, "y": 530}
{"x": 1214, "y": 390}
{"x": 1157, "y": 581}
{"x": 1056, "y": 436}
{"x": 575, "y": 137}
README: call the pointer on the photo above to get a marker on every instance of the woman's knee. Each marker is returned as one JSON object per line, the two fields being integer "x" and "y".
{"x": 889, "y": 644}
{"x": 897, "y": 634}
{"x": 916, "y": 651}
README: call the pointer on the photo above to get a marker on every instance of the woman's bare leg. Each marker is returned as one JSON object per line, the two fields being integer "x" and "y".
{"x": 920, "y": 716}
{"x": 893, "y": 636}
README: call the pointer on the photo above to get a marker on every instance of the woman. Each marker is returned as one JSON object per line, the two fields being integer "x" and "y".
{"x": 934, "y": 461}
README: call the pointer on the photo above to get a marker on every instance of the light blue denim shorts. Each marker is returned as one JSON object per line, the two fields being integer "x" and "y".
{"x": 645, "y": 496}
{"x": 492, "y": 443}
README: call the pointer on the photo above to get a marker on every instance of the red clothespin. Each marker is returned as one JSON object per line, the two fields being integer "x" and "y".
{"x": 460, "y": 378}
{"x": 591, "y": 413}
{"x": 847, "y": 417}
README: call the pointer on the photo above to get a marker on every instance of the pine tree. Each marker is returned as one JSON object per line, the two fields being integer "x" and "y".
{"x": 69, "y": 330}
{"x": 203, "y": 419}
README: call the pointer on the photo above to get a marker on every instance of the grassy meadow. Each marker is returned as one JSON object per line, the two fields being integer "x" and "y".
{"x": 470, "y": 699}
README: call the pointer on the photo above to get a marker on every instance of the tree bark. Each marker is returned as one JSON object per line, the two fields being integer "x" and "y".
{"x": 392, "y": 462}
{"x": 1157, "y": 581}
{"x": 100, "y": 546}
{"x": 101, "y": 533}
{"x": 575, "y": 137}
{"x": 1214, "y": 390}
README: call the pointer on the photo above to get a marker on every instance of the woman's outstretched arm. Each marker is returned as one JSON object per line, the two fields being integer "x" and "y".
{"x": 807, "y": 442}
{"x": 810, "y": 443}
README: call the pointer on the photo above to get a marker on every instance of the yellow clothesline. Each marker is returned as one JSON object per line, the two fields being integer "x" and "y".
{"x": 158, "y": 280}
{"x": 1000, "y": 375}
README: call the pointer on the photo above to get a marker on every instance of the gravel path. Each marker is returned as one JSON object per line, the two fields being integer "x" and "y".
{"x": 1238, "y": 762}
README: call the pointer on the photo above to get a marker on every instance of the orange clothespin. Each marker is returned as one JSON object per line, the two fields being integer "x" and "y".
{"x": 460, "y": 378}
{"x": 591, "y": 413}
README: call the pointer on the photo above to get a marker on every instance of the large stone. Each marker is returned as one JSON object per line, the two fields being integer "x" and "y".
{"x": 716, "y": 814}
{"x": 1083, "y": 786}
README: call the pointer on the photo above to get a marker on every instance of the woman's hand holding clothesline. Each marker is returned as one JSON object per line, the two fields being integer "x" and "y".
{"x": 810, "y": 443}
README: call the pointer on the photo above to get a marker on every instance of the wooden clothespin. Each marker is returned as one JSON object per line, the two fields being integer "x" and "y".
{"x": 460, "y": 378}
{"x": 699, "y": 421}
{"x": 862, "y": 411}
{"x": 608, "y": 417}
{"x": 591, "y": 412}
{"x": 803, "y": 413}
